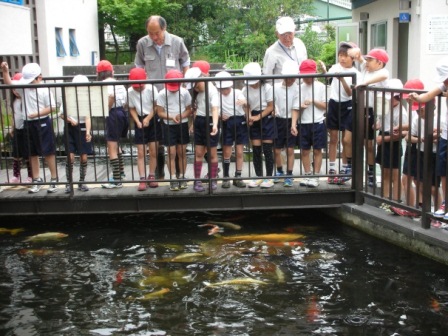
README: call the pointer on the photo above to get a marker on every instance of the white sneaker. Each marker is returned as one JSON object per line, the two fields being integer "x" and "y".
{"x": 255, "y": 183}
{"x": 304, "y": 182}
{"x": 52, "y": 188}
{"x": 313, "y": 182}
{"x": 267, "y": 183}
{"x": 35, "y": 188}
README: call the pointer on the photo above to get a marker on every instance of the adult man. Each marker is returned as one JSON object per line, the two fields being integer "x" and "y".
{"x": 159, "y": 52}
{"x": 287, "y": 47}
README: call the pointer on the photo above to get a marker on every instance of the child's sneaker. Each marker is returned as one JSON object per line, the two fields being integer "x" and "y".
{"x": 68, "y": 189}
{"x": 332, "y": 179}
{"x": 174, "y": 186}
{"x": 52, "y": 188}
{"x": 371, "y": 180}
{"x": 225, "y": 184}
{"x": 198, "y": 186}
{"x": 348, "y": 176}
{"x": 277, "y": 178}
{"x": 83, "y": 187}
{"x": 142, "y": 185}
{"x": 304, "y": 181}
{"x": 440, "y": 213}
{"x": 35, "y": 188}
{"x": 29, "y": 179}
{"x": 14, "y": 179}
{"x": 313, "y": 182}
{"x": 183, "y": 184}
{"x": 239, "y": 183}
{"x": 289, "y": 182}
{"x": 214, "y": 185}
{"x": 151, "y": 183}
{"x": 267, "y": 183}
{"x": 112, "y": 185}
{"x": 255, "y": 183}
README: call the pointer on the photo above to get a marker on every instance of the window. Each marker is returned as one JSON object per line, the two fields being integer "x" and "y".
{"x": 379, "y": 35}
{"x": 73, "y": 47}
{"x": 60, "y": 50}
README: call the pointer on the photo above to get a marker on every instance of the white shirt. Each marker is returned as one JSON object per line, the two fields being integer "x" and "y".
{"x": 337, "y": 90}
{"x": 18, "y": 115}
{"x": 229, "y": 106}
{"x": 316, "y": 92}
{"x": 35, "y": 100}
{"x": 258, "y": 98}
{"x": 283, "y": 106}
{"x": 366, "y": 75}
{"x": 276, "y": 55}
{"x": 213, "y": 96}
{"x": 118, "y": 92}
{"x": 143, "y": 101}
{"x": 174, "y": 103}
{"x": 397, "y": 114}
{"x": 415, "y": 132}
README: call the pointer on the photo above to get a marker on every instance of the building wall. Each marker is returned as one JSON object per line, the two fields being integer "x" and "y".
{"x": 80, "y": 15}
{"x": 15, "y": 26}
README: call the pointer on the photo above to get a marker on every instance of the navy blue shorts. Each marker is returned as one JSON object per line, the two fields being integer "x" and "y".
{"x": 385, "y": 150}
{"x": 339, "y": 116}
{"x": 201, "y": 132}
{"x": 284, "y": 136}
{"x": 176, "y": 134}
{"x": 313, "y": 135}
{"x": 41, "y": 135}
{"x": 20, "y": 144}
{"x": 77, "y": 143}
{"x": 117, "y": 124}
{"x": 263, "y": 129}
{"x": 234, "y": 130}
{"x": 435, "y": 180}
{"x": 152, "y": 133}
{"x": 441, "y": 162}
{"x": 410, "y": 161}
{"x": 371, "y": 121}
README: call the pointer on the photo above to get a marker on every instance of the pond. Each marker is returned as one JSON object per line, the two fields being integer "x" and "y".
{"x": 245, "y": 273}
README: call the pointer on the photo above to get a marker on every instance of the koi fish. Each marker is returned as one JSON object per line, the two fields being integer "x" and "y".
{"x": 152, "y": 296}
{"x": 287, "y": 243}
{"x": 119, "y": 276}
{"x": 312, "y": 311}
{"x": 228, "y": 225}
{"x": 46, "y": 236}
{"x": 236, "y": 282}
{"x": 188, "y": 256}
{"x": 269, "y": 237}
{"x": 214, "y": 230}
{"x": 39, "y": 252}
{"x": 12, "y": 232}
{"x": 435, "y": 305}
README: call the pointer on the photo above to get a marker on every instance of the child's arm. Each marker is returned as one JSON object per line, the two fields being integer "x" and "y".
{"x": 88, "y": 129}
{"x": 162, "y": 113}
{"x": 5, "y": 71}
{"x": 134, "y": 116}
{"x": 295, "y": 118}
{"x": 425, "y": 97}
{"x": 44, "y": 112}
{"x": 215, "y": 118}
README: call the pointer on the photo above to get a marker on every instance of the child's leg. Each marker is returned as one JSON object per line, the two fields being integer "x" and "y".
{"x": 347, "y": 147}
{"x": 51, "y": 162}
{"x": 317, "y": 161}
{"x": 171, "y": 163}
{"x": 332, "y": 146}
{"x": 153, "y": 157}
{"x": 268, "y": 157}
{"x": 239, "y": 151}
{"x": 16, "y": 166}
{"x": 306, "y": 161}
{"x": 213, "y": 157}
{"x": 436, "y": 196}
{"x": 395, "y": 184}
{"x": 226, "y": 153}
{"x": 278, "y": 159}
{"x": 408, "y": 189}
{"x": 257, "y": 159}
{"x": 290, "y": 160}
{"x": 181, "y": 167}
{"x": 141, "y": 166}
{"x": 385, "y": 182}
{"x": 83, "y": 168}
{"x": 69, "y": 167}
{"x": 34, "y": 161}
{"x": 112, "y": 147}
{"x": 199, "y": 152}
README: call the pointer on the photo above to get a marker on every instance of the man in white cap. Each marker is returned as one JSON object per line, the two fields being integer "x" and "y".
{"x": 287, "y": 47}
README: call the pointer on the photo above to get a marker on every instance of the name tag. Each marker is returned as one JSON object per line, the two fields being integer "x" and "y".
{"x": 43, "y": 125}
{"x": 170, "y": 63}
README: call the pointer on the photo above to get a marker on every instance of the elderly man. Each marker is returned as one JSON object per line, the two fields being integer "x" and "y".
{"x": 286, "y": 48}
{"x": 160, "y": 51}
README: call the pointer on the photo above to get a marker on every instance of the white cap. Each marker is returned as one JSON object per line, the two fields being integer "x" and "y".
{"x": 442, "y": 69}
{"x": 192, "y": 73}
{"x": 393, "y": 83}
{"x": 252, "y": 69}
{"x": 285, "y": 25}
{"x": 29, "y": 73}
{"x": 80, "y": 79}
{"x": 290, "y": 67}
{"x": 223, "y": 84}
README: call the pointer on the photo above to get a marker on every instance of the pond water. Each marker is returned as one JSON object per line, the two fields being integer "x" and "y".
{"x": 270, "y": 273}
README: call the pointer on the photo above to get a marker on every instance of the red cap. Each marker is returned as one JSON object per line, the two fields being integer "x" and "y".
{"x": 379, "y": 54}
{"x": 137, "y": 74}
{"x": 415, "y": 84}
{"x": 172, "y": 74}
{"x": 308, "y": 67}
{"x": 203, "y": 65}
{"x": 104, "y": 65}
{"x": 17, "y": 76}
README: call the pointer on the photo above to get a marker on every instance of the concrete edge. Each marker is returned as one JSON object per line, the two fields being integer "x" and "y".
{"x": 403, "y": 232}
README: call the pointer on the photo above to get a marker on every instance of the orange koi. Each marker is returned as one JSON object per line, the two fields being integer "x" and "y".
{"x": 215, "y": 229}
{"x": 435, "y": 305}
{"x": 312, "y": 311}
{"x": 119, "y": 276}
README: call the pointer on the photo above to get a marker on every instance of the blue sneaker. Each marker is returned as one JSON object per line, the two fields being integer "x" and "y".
{"x": 277, "y": 178}
{"x": 289, "y": 182}
{"x": 347, "y": 177}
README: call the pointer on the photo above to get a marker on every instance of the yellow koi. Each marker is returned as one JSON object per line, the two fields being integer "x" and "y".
{"x": 46, "y": 236}
{"x": 269, "y": 237}
{"x": 228, "y": 225}
{"x": 237, "y": 282}
{"x": 187, "y": 257}
{"x": 153, "y": 295}
{"x": 12, "y": 232}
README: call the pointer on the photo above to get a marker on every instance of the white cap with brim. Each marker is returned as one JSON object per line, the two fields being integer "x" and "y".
{"x": 290, "y": 67}
{"x": 252, "y": 69}
{"x": 223, "y": 84}
{"x": 442, "y": 70}
{"x": 285, "y": 25}
{"x": 29, "y": 73}
{"x": 190, "y": 74}
{"x": 80, "y": 79}
{"x": 393, "y": 83}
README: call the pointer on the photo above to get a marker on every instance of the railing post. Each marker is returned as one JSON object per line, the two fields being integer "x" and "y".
{"x": 358, "y": 143}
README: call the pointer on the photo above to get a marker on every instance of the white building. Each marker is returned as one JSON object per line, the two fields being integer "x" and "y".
{"x": 53, "y": 33}
{"x": 413, "y": 32}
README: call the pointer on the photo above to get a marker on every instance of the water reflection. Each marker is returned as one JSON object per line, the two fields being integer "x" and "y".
{"x": 260, "y": 274}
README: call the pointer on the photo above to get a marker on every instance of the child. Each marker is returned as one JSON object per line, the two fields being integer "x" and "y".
{"x": 262, "y": 131}
{"x": 174, "y": 107}
{"x": 234, "y": 127}
{"x": 373, "y": 74}
{"x": 339, "y": 118}
{"x": 442, "y": 77}
{"x": 287, "y": 103}
{"x": 77, "y": 131}
{"x": 409, "y": 162}
{"x": 142, "y": 106}
{"x": 19, "y": 138}
{"x": 205, "y": 125}
{"x": 313, "y": 131}
{"x": 389, "y": 151}
{"x": 117, "y": 123}
{"x": 37, "y": 107}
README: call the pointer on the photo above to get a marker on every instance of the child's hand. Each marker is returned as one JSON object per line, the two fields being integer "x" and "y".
{"x": 88, "y": 137}
{"x": 379, "y": 139}
{"x": 176, "y": 118}
{"x": 294, "y": 130}
{"x": 5, "y": 66}
{"x": 355, "y": 53}
{"x": 322, "y": 66}
{"x": 241, "y": 102}
{"x": 214, "y": 130}
{"x": 224, "y": 117}
{"x": 413, "y": 96}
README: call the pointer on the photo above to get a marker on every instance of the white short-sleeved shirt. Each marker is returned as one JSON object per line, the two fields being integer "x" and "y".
{"x": 276, "y": 55}
{"x": 397, "y": 115}
{"x": 312, "y": 114}
{"x": 366, "y": 75}
{"x": 337, "y": 92}
{"x": 258, "y": 98}
{"x": 286, "y": 99}
{"x": 143, "y": 101}
{"x": 18, "y": 114}
{"x": 34, "y": 100}
{"x": 174, "y": 103}
{"x": 118, "y": 92}
{"x": 213, "y": 97}
{"x": 228, "y": 104}
{"x": 415, "y": 132}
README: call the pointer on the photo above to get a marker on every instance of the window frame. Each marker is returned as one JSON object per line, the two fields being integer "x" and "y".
{"x": 375, "y": 35}
{"x": 60, "y": 49}
{"x": 74, "y": 50}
